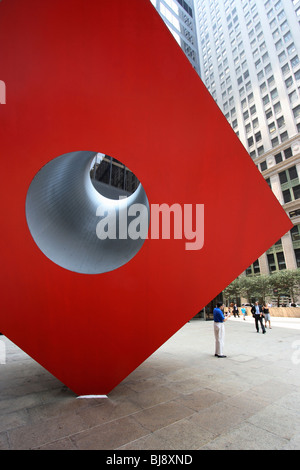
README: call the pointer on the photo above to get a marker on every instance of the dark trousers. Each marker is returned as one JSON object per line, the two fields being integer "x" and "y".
{"x": 259, "y": 318}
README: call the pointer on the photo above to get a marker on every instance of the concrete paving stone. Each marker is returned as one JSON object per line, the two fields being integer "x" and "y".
{"x": 277, "y": 420}
{"x": 107, "y": 411}
{"x": 60, "y": 408}
{"x": 110, "y": 435}
{"x": 185, "y": 387}
{"x": 291, "y": 401}
{"x": 293, "y": 444}
{"x": 162, "y": 415}
{"x": 228, "y": 386}
{"x": 148, "y": 442}
{"x": 32, "y": 436}
{"x": 154, "y": 396}
{"x": 141, "y": 385}
{"x": 273, "y": 389}
{"x": 253, "y": 377}
{"x": 246, "y": 437}
{"x": 201, "y": 399}
{"x": 9, "y": 405}
{"x": 293, "y": 377}
{"x": 183, "y": 374}
{"x": 250, "y": 402}
{"x": 4, "y": 444}
{"x": 61, "y": 444}
{"x": 185, "y": 434}
{"x": 220, "y": 417}
{"x": 14, "y": 420}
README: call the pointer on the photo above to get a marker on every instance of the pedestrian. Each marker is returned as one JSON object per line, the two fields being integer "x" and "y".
{"x": 219, "y": 329}
{"x": 235, "y": 311}
{"x": 244, "y": 312}
{"x": 266, "y": 313}
{"x": 256, "y": 311}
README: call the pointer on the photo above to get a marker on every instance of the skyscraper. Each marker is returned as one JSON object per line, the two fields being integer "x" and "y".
{"x": 249, "y": 60}
{"x": 179, "y": 16}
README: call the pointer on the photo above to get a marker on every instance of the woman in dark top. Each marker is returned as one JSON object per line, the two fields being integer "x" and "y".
{"x": 266, "y": 314}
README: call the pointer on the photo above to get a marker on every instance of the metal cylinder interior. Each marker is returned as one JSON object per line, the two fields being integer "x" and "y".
{"x": 61, "y": 207}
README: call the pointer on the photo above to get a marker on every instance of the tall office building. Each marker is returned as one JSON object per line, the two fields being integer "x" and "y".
{"x": 179, "y": 16}
{"x": 249, "y": 60}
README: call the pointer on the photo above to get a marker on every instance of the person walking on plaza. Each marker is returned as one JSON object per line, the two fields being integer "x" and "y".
{"x": 266, "y": 313}
{"x": 256, "y": 311}
{"x": 219, "y": 329}
{"x": 235, "y": 311}
{"x": 244, "y": 312}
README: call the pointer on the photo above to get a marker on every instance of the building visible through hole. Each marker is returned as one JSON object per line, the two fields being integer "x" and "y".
{"x": 111, "y": 178}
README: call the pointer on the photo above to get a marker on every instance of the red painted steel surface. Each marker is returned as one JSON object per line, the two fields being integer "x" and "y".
{"x": 108, "y": 76}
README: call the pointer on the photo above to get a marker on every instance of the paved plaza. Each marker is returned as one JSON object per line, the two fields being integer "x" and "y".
{"x": 181, "y": 398}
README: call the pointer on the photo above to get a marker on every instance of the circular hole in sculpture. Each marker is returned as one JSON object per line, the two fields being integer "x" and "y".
{"x": 112, "y": 178}
{"x": 87, "y": 212}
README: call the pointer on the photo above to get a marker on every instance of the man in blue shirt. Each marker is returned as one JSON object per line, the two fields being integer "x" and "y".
{"x": 219, "y": 329}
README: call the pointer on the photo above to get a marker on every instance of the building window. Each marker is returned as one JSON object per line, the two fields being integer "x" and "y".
{"x": 283, "y": 177}
{"x": 294, "y": 213}
{"x": 295, "y": 61}
{"x": 282, "y": 56}
{"x": 286, "y": 196}
{"x": 296, "y": 191}
{"x": 295, "y": 234}
{"x": 285, "y": 69}
{"x": 272, "y": 127}
{"x": 274, "y": 93}
{"x": 256, "y": 267}
{"x": 279, "y": 45}
{"x": 289, "y": 82}
{"x": 291, "y": 49}
{"x": 293, "y": 174}
{"x": 260, "y": 150}
{"x": 258, "y": 136}
{"x": 278, "y": 158}
{"x": 266, "y": 100}
{"x": 296, "y": 111}
{"x": 263, "y": 165}
{"x": 297, "y": 256}
{"x": 271, "y": 262}
{"x": 269, "y": 113}
{"x": 277, "y": 107}
{"x": 281, "y": 260}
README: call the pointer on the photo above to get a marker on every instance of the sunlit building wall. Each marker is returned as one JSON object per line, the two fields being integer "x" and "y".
{"x": 179, "y": 16}
{"x": 249, "y": 54}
